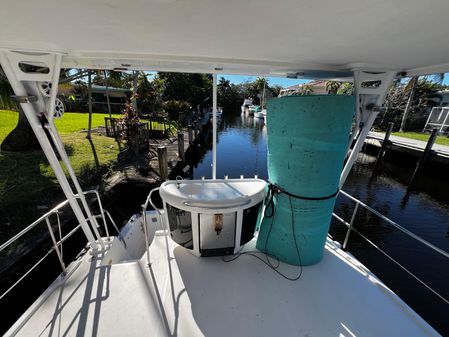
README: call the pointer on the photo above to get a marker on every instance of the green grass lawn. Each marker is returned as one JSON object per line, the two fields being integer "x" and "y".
{"x": 422, "y": 136}
{"x": 27, "y": 180}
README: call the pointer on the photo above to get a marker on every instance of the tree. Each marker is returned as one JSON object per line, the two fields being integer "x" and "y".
{"x": 410, "y": 87}
{"x": 306, "y": 89}
{"x": 332, "y": 87}
{"x": 150, "y": 93}
{"x": 346, "y": 88}
{"x": 230, "y": 97}
{"x": 89, "y": 88}
{"x": 399, "y": 97}
{"x": 275, "y": 90}
{"x": 192, "y": 88}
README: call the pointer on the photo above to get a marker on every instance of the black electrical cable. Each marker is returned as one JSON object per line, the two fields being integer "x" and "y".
{"x": 269, "y": 205}
{"x": 280, "y": 190}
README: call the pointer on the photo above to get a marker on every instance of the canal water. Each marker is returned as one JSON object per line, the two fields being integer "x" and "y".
{"x": 242, "y": 150}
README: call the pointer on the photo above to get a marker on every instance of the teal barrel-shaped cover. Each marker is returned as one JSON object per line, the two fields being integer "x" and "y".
{"x": 307, "y": 141}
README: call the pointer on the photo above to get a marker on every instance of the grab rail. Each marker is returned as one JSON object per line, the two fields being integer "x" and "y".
{"x": 57, "y": 244}
{"x": 144, "y": 217}
{"x": 351, "y": 228}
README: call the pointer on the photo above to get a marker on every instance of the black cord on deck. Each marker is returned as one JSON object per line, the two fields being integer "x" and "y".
{"x": 274, "y": 189}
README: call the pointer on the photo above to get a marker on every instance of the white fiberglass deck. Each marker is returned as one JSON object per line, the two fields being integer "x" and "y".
{"x": 183, "y": 295}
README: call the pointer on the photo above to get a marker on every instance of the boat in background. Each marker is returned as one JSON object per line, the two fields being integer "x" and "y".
{"x": 260, "y": 113}
{"x": 252, "y": 109}
{"x": 246, "y": 104}
{"x": 210, "y": 113}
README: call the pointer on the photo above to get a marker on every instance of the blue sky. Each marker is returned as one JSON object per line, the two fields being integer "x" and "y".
{"x": 282, "y": 81}
{"x": 237, "y": 79}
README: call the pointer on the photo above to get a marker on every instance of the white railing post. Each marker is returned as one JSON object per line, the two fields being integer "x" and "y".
{"x": 354, "y": 213}
{"x": 55, "y": 245}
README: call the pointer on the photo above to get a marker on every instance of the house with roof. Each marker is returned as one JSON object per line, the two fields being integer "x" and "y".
{"x": 317, "y": 87}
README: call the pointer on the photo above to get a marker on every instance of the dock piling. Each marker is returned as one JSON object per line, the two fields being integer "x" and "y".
{"x": 195, "y": 129}
{"x": 190, "y": 134}
{"x": 181, "y": 145}
{"x": 425, "y": 155}
{"x": 384, "y": 146}
{"x": 163, "y": 162}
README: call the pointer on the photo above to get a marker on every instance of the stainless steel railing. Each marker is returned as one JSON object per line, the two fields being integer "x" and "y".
{"x": 144, "y": 218}
{"x": 57, "y": 243}
{"x": 351, "y": 228}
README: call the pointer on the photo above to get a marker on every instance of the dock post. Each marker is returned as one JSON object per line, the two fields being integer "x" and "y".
{"x": 181, "y": 145}
{"x": 424, "y": 156}
{"x": 163, "y": 162}
{"x": 197, "y": 122}
{"x": 384, "y": 145}
{"x": 190, "y": 134}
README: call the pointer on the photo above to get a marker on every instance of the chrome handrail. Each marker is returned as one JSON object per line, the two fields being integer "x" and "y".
{"x": 144, "y": 218}
{"x": 350, "y": 226}
{"x": 57, "y": 245}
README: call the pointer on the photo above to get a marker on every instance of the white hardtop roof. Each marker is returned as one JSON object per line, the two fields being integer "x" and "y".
{"x": 314, "y": 39}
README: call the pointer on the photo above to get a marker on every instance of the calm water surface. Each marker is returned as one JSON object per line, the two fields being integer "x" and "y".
{"x": 242, "y": 149}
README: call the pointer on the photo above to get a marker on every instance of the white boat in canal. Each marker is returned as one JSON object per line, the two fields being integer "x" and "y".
{"x": 192, "y": 268}
{"x": 251, "y": 110}
{"x": 260, "y": 113}
{"x": 246, "y": 104}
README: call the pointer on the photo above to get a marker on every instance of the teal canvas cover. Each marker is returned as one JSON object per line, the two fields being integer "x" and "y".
{"x": 307, "y": 141}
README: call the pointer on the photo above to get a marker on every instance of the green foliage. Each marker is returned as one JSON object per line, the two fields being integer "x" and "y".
{"x": 194, "y": 89}
{"x": 396, "y": 100}
{"x": 229, "y": 96}
{"x": 173, "y": 108}
{"x": 131, "y": 121}
{"x": 346, "y": 88}
{"x": 307, "y": 89}
{"x": 150, "y": 93}
{"x": 116, "y": 79}
{"x": 332, "y": 87}
{"x": 275, "y": 90}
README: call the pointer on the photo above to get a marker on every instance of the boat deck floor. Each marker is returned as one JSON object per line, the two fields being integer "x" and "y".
{"x": 183, "y": 295}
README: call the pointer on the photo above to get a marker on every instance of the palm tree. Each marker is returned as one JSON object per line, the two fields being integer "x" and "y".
{"x": 346, "y": 89}
{"x": 332, "y": 87}
{"x": 410, "y": 87}
{"x": 306, "y": 89}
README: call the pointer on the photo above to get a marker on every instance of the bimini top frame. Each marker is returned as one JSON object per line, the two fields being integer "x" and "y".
{"x": 295, "y": 38}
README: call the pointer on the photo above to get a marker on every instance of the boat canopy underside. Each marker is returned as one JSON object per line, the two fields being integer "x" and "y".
{"x": 310, "y": 39}
{"x": 183, "y": 295}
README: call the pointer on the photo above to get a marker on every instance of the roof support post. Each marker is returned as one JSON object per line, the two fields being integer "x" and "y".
{"x": 37, "y": 108}
{"x": 214, "y": 126}
{"x": 370, "y": 91}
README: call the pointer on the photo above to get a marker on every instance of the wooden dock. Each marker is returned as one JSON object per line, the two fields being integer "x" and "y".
{"x": 172, "y": 151}
{"x": 412, "y": 146}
